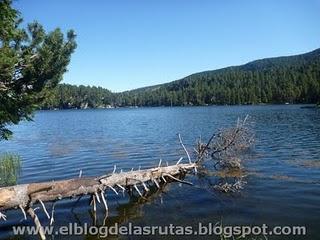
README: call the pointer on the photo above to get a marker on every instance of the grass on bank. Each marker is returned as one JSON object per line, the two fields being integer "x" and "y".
{"x": 9, "y": 169}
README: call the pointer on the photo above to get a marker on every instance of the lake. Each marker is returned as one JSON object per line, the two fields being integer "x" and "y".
{"x": 283, "y": 182}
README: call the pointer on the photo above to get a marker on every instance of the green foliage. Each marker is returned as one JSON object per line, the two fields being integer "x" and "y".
{"x": 32, "y": 63}
{"x": 9, "y": 169}
{"x": 294, "y": 79}
{"x": 68, "y": 96}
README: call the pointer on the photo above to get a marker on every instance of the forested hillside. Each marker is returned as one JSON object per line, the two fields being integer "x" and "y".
{"x": 293, "y": 79}
{"x": 70, "y": 96}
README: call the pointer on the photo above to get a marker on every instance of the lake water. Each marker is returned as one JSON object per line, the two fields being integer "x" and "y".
{"x": 283, "y": 182}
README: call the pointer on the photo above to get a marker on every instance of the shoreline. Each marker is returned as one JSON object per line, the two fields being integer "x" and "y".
{"x": 303, "y": 106}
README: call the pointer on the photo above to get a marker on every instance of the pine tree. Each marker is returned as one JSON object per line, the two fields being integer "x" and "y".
{"x": 32, "y": 62}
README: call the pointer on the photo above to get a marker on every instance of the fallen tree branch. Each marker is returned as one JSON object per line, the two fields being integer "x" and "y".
{"x": 24, "y": 196}
{"x": 184, "y": 148}
{"x": 35, "y": 218}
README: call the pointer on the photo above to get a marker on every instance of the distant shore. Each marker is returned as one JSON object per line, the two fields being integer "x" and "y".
{"x": 303, "y": 105}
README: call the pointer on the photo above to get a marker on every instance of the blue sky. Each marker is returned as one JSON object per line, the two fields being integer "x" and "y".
{"x": 129, "y": 44}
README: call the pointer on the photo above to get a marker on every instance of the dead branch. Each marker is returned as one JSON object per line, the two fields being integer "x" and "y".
{"x": 35, "y": 218}
{"x": 229, "y": 144}
{"x": 27, "y": 194}
{"x": 225, "y": 149}
{"x": 222, "y": 147}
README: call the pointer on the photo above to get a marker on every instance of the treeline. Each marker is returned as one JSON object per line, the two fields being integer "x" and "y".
{"x": 66, "y": 96}
{"x": 294, "y": 79}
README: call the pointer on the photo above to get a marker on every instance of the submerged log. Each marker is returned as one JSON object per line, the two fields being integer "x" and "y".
{"x": 26, "y": 195}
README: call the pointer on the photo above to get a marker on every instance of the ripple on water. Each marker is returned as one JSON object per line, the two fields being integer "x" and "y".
{"x": 284, "y": 169}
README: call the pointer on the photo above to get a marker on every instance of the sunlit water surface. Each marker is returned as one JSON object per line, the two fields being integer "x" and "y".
{"x": 283, "y": 168}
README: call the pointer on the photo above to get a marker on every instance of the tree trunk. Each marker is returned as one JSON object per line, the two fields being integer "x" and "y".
{"x": 26, "y": 194}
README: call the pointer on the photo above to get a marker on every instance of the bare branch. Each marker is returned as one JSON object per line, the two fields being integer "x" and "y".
{"x": 35, "y": 218}
{"x": 185, "y": 149}
{"x": 44, "y": 209}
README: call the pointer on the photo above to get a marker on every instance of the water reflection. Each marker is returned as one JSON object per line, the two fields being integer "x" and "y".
{"x": 282, "y": 172}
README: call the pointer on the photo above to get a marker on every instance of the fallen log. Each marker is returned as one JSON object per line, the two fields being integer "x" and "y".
{"x": 24, "y": 196}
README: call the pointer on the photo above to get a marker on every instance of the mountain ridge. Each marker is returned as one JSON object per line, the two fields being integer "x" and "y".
{"x": 284, "y": 79}
{"x": 313, "y": 52}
